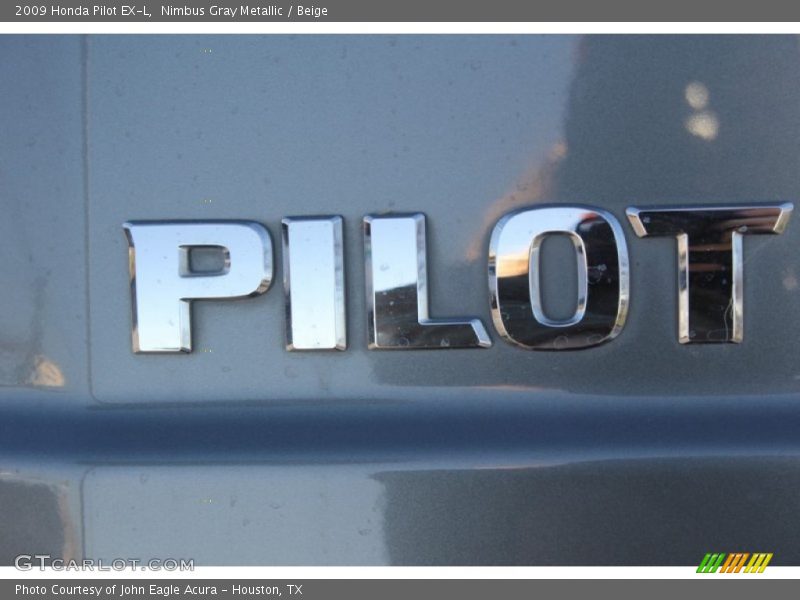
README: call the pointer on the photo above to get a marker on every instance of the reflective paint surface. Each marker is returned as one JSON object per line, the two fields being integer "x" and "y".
{"x": 638, "y": 451}
{"x": 515, "y": 279}
{"x": 534, "y": 136}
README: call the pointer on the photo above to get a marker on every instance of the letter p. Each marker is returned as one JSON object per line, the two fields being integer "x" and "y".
{"x": 163, "y": 280}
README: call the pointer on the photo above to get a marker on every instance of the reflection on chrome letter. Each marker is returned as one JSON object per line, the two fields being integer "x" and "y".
{"x": 514, "y": 254}
{"x": 710, "y": 274}
{"x": 313, "y": 282}
{"x": 397, "y": 294}
{"x": 163, "y": 279}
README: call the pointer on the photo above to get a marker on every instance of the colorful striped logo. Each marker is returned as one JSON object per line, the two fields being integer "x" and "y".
{"x": 734, "y": 562}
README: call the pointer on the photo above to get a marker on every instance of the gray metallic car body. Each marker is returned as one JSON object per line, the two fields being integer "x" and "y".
{"x": 640, "y": 451}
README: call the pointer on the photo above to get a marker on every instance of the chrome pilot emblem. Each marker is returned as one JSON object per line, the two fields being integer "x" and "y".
{"x": 710, "y": 262}
{"x": 397, "y": 290}
{"x": 313, "y": 283}
{"x": 163, "y": 282}
{"x": 167, "y": 275}
{"x": 602, "y": 277}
